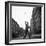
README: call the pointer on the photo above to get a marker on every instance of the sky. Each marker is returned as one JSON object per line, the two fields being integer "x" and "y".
{"x": 21, "y": 14}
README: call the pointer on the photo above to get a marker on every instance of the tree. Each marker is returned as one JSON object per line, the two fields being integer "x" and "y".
{"x": 36, "y": 20}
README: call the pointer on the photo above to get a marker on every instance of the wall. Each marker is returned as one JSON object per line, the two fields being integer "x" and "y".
{"x": 2, "y": 22}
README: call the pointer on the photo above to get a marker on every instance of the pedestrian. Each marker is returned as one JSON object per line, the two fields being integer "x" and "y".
{"x": 26, "y": 30}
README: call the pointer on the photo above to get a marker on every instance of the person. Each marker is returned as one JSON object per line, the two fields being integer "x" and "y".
{"x": 27, "y": 30}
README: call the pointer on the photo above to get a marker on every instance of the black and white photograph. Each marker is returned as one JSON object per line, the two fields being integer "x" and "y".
{"x": 24, "y": 22}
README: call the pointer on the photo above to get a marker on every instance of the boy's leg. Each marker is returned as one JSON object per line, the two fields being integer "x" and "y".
{"x": 25, "y": 34}
{"x": 30, "y": 35}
